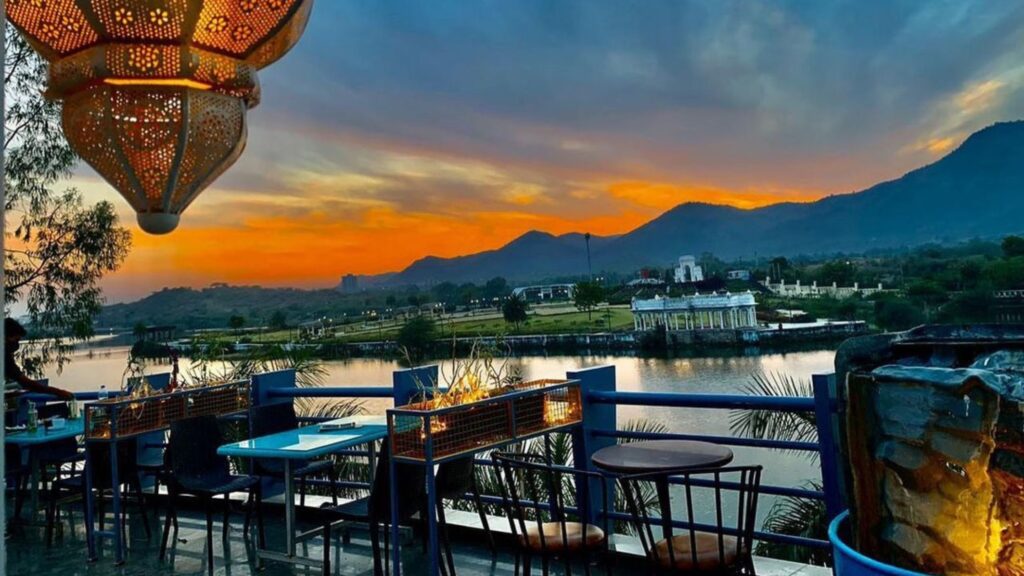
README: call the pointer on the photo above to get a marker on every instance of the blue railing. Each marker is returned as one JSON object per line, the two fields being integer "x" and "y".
{"x": 599, "y": 429}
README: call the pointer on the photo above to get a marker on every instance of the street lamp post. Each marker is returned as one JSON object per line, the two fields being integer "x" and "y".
{"x": 590, "y": 268}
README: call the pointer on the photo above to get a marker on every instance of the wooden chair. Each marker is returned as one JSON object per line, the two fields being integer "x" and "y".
{"x": 546, "y": 516}
{"x": 718, "y": 532}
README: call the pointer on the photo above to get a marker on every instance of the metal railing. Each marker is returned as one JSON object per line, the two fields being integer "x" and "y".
{"x": 599, "y": 427}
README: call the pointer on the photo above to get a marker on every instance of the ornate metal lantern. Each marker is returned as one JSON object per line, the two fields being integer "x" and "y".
{"x": 155, "y": 92}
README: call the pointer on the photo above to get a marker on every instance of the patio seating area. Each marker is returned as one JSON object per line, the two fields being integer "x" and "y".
{"x": 235, "y": 555}
{"x": 269, "y": 502}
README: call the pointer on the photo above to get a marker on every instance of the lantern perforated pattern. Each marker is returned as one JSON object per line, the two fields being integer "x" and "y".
{"x": 155, "y": 91}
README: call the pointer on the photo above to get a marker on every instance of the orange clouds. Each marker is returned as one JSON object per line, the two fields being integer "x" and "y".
{"x": 308, "y": 242}
{"x": 664, "y": 196}
{"x": 316, "y": 250}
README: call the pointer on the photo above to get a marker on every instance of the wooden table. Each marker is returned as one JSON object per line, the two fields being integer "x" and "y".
{"x": 653, "y": 456}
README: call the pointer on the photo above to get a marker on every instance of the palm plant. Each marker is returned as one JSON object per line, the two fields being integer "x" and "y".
{"x": 797, "y": 517}
{"x": 212, "y": 363}
{"x": 773, "y": 424}
{"x": 789, "y": 515}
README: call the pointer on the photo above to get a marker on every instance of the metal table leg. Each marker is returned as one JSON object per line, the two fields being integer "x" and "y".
{"x": 665, "y": 502}
{"x": 33, "y": 462}
{"x": 396, "y": 545}
{"x": 90, "y": 530}
{"x": 435, "y": 566}
{"x": 115, "y": 490}
{"x": 289, "y": 508}
{"x": 291, "y": 537}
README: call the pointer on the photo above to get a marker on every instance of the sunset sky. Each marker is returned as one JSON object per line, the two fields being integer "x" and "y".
{"x": 398, "y": 129}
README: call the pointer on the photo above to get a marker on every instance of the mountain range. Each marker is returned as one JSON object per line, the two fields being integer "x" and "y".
{"x": 977, "y": 190}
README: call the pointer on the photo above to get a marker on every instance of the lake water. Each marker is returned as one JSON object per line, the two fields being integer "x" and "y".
{"x": 703, "y": 374}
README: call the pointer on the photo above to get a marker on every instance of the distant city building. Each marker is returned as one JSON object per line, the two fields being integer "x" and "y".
{"x": 814, "y": 291}
{"x": 697, "y": 312}
{"x": 350, "y": 284}
{"x": 545, "y": 292}
{"x": 738, "y": 275}
{"x": 315, "y": 328}
{"x": 688, "y": 270}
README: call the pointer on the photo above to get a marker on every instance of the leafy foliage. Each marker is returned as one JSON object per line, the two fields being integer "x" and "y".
{"x": 278, "y": 320}
{"x": 788, "y": 515}
{"x": 417, "y": 337}
{"x": 587, "y": 296}
{"x": 774, "y": 424}
{"x": 796, "y": 517}
{"x": 896, "y": 314}
{"x": 514, "y": 310}
{"x": 57, "y": 248}
{"x": 1013, "y": 246}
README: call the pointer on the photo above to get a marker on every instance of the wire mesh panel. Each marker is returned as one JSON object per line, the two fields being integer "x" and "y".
{"x": 122, "y": 417}
{"x": 509, "y": 414}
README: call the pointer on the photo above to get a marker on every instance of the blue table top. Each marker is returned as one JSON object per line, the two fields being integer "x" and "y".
{"x": 71, "y": 429}
{"x": 306, "y": 443}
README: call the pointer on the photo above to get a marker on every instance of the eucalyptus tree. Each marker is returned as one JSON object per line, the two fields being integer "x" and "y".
{"x": 57, "y": 247}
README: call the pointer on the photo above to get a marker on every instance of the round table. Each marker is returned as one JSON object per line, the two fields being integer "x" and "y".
{"x": 655, "y": 456}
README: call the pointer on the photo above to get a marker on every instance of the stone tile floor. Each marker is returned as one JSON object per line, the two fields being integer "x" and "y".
{"x": 28, "y": 554}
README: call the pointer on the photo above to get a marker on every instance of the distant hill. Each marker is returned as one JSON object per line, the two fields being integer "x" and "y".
{"x": 211, "y": 307}
{"x": 975, "y": 191}
{"x": 531, "y": 256}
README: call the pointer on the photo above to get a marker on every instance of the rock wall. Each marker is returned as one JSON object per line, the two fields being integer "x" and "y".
{"x": 934, "y": 484}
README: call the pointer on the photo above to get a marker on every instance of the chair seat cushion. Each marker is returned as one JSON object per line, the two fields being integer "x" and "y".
{"x": 215, "y": 485}
{"x": 312, "y": 468}
{"x": 576, "y": 537}
{"x": 708, "y": 557}
{"x": 355, "y": 510}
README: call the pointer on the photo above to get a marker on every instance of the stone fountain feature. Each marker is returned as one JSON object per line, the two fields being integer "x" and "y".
{"x": 934, "y": 435}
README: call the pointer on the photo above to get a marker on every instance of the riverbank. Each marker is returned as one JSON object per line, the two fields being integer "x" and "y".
{"x": 780, "y": 339}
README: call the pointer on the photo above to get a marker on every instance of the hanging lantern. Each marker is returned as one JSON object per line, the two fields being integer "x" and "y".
{"x": 155, "y": 92}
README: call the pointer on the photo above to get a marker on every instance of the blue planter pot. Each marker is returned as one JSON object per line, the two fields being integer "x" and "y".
{"x": 849, "y": 562}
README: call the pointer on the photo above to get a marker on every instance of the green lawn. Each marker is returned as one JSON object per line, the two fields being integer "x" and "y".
{"x": 563, "y": 323}
{"x": 538, "y": 323}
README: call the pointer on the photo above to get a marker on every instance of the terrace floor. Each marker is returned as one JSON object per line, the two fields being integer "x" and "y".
{"x": 28, "y": 553}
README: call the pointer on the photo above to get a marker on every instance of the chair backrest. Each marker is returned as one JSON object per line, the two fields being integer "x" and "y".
{"x": 192, "y": 450}
{"x": 720, "y": 512}
{"x": 60, "y": 448}
{"x": 267, "y": 419}
{"x": 535, "y": 492}
{"x": 53, "y": 409}
{"x": 455, "y": 478}
{"x": 99, "y": 461}
{"x": 411, "y": 487}
{"x": 272, "y": 418}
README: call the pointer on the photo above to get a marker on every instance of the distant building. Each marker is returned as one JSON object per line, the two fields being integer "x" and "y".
{"x": 315, "y": 328}
{"x": 697, "y": 312}
{"x": 350, "y": 284}
{"x": 688, "y": 270}
{"x": 743, "y": 275}
{"x": 646, "y": 282}
{"x": 814, "y": 291}
{"x": 545, "y": 292}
